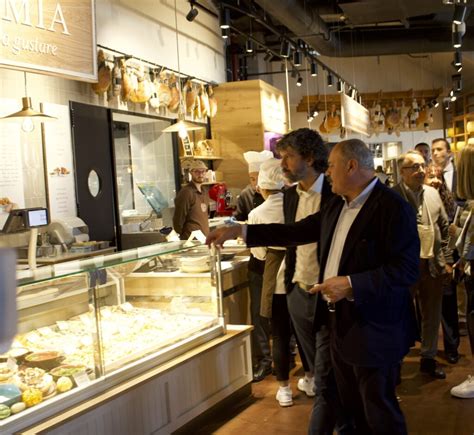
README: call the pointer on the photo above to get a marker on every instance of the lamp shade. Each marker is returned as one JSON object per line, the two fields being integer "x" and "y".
{"x": 28, "y": 112}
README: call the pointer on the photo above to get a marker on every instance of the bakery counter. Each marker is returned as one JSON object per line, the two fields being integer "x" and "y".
{"x": 234, "y": 286}
{"x": 159, "y": 400}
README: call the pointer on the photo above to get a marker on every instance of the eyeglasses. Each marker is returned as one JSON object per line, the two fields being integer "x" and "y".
{"x": 416, "y": 167}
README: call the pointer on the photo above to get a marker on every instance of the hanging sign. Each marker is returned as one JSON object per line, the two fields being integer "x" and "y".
{"x": 49, "y": 36}
{"x": 354, "y": 116}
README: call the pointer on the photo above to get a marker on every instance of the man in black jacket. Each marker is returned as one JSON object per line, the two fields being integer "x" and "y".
{"x": 369, "y": 258}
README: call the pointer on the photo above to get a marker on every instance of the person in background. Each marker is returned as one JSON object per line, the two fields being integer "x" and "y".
{"x": 381, "y": 175}
{"x": 465, "y": 246}
{"x": 449, "y": 306}
{"x": 270, "y": 182}
{"x": 424, "y": 149}
{"x": 443, "y": 158}
{"x": 192, "y": 204}
{"x": 435, "y": 256}
{"x": 248, "y": 200}
{"x": 250, "y": 197}
{"x": 369, "y": 257}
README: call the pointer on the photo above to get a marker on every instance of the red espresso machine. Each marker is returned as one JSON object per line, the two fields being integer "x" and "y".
{"x": 223, "y": 198}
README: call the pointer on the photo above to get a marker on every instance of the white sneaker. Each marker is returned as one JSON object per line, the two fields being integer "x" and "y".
{"x": 284, "y": 396}
{"x": 307, "y": 386}
{"x": 464, "y": 390}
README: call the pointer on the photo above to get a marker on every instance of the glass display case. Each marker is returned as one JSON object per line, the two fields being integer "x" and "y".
{"x": 87, "y": 325}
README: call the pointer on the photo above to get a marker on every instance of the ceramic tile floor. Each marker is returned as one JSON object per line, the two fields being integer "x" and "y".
{"x": 428, "y": 406}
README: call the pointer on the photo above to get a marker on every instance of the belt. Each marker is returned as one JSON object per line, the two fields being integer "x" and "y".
{"x": 304, "y": 286}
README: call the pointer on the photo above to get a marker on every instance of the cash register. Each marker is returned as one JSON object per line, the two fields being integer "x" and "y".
{"x": 27, "y": 219}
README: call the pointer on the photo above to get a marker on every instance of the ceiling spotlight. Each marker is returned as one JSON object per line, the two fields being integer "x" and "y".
{"x": 192, "y": 14}
{"x": 314, "y": 69}
{"x": 453, "y": 98}
{"x": 458, "y": 68}
{"x": 249, "y": 46}
{"x": 457, "y": 82}
{"x": 285, "y": 49}
{"x": 225, "y": 33}
{"x": 459, "y": 13}
{"x": 299, "y": 82}
{"x": 330, "y": 79}
{"x": 310, "y": 118}
{"x": 225, "y": 19}
{"x": 434, "y": 102}
{"x": 457, "y": 58}
{"x": 448, "y": 2}
{"x": 340, "y": 86}
{"x": 315, "y": 112}
{"x": 458, "y": 31}
{"x": 297, "y": 58}
{"x": 446, "y": 104}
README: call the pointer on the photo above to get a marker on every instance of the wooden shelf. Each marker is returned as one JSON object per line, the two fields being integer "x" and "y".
{"x": 201, "y": 157}
{"x": 460, "y": 116}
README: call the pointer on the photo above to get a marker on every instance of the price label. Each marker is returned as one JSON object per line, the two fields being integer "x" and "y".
{"x": 45, "y": 331}
{"x": 85, "y": 319}
{"x": 127, "y": 307}
{"x": 81, "y": 378}
{"x": 33, "y": 337}
{"x": 11, "y": 363}
{"x": 62, "y": 325}
{"x": 106, "y": 313}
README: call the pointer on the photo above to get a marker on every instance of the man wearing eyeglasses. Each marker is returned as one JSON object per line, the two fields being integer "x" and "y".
{"x": 192, "y": 204}
{"x": 432, "y": 223}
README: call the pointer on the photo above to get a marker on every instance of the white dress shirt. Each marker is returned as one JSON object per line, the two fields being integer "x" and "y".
{"x": 349, "y": 212}
{"x": 269, "y": 212}
{"x": 307, "y": 265}
{"x": 448, "y": 175}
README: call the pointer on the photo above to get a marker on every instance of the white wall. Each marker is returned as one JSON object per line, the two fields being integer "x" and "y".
{"x": 144, "y": 28}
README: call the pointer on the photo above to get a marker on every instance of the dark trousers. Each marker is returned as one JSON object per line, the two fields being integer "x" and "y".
{"x": 449, "y": 317}
{"x": 302, "y": 307}
{"x": 281, "y": 335}
{"x": 469, "y": 284}
{"x": 368, "y": 395}
{"x": 261, "y": 332}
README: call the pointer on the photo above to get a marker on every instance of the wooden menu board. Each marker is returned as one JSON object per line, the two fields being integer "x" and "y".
{"x": 49, "y": 36}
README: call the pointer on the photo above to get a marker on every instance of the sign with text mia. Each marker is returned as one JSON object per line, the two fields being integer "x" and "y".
{"x": 49, "y": 36}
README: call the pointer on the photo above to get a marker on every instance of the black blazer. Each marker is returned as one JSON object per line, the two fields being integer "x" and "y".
{"x": 290, "y": 206}
{"x": 381, "y": 256}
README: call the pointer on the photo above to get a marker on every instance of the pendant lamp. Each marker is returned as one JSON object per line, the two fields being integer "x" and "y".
{"x": 27, "y": 114}
{"x": 181, "y": 126}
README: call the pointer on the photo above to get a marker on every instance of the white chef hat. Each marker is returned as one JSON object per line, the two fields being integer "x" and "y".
{"x": 255, "y": 159}
{"x": 197, "y": 164}
{"x": 270, "y": 176}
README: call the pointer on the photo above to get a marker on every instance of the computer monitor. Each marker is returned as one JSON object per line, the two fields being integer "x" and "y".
{"x": 154, "y": 197}
{"x": 25, "y": 219}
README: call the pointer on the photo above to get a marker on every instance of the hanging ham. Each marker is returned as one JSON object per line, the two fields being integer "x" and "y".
{"x": 173, "y": 105}
{"x": 104, "y": 75}
{"x": 212, "y": 101}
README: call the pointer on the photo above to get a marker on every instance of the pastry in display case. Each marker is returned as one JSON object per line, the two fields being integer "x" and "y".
{"x": 87, "y": 325}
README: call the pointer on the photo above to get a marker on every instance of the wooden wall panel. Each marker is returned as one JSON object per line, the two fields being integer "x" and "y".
{"x": 239, "y": 125}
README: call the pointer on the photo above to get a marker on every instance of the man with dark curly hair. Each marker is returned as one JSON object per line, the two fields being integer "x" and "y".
{"x": 304, "y": 161}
